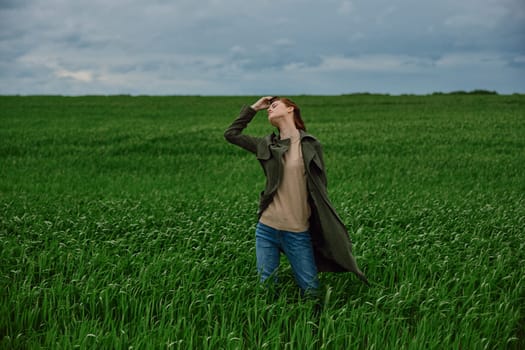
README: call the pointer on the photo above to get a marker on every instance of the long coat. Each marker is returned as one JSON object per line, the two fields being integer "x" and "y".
{"x": 330, "y": 240}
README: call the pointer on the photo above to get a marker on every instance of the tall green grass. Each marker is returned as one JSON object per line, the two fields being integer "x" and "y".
{"x": 128, "y": 222}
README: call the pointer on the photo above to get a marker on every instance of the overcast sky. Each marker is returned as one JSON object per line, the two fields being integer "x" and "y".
{"x": 243, "y": 47}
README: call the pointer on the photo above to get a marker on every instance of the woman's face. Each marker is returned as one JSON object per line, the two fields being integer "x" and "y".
{"x": 277, "y": 110}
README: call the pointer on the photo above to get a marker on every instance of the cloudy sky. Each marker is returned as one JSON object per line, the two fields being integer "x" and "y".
{"x": 243, "y": 47}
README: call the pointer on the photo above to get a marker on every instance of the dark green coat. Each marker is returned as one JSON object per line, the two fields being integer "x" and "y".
{"x": 330, "y": 239}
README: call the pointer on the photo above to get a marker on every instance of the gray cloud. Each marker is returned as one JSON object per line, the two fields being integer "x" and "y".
{"x": 238, "y": 47}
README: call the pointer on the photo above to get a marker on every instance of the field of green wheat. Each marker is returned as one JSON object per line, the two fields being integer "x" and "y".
{"x": 127, "y": 222}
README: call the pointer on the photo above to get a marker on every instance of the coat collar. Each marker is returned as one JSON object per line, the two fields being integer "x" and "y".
{"x": 307, "y": 142}
{"x": 302, "y": 134}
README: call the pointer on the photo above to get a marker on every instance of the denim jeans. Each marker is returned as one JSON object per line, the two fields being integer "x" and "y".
{"x": 297, "y": 246}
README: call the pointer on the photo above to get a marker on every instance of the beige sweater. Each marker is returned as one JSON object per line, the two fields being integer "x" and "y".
{"x": 289, "y": 210}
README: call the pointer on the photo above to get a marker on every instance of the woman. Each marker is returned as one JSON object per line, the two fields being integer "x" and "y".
{"x": 295, "y": 214}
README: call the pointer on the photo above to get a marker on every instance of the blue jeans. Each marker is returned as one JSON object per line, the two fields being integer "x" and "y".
{"x": 297, "y": 246}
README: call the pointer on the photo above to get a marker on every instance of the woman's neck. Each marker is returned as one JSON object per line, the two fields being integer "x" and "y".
{"x": 288, "y": 131}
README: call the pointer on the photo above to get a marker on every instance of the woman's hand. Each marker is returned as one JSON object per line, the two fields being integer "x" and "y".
{"x": 262, "y": 103}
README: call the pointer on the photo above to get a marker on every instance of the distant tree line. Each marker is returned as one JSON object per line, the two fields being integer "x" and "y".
{"x": 458, "y": 92}
{"x": 473, "y": 92}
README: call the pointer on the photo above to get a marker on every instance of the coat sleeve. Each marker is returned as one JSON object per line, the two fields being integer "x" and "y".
{"x": 234, "y": 135}
{"x": 319, "y": 153}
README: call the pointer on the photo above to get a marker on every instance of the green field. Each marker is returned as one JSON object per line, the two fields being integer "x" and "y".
{"x": 128, "y": 222}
